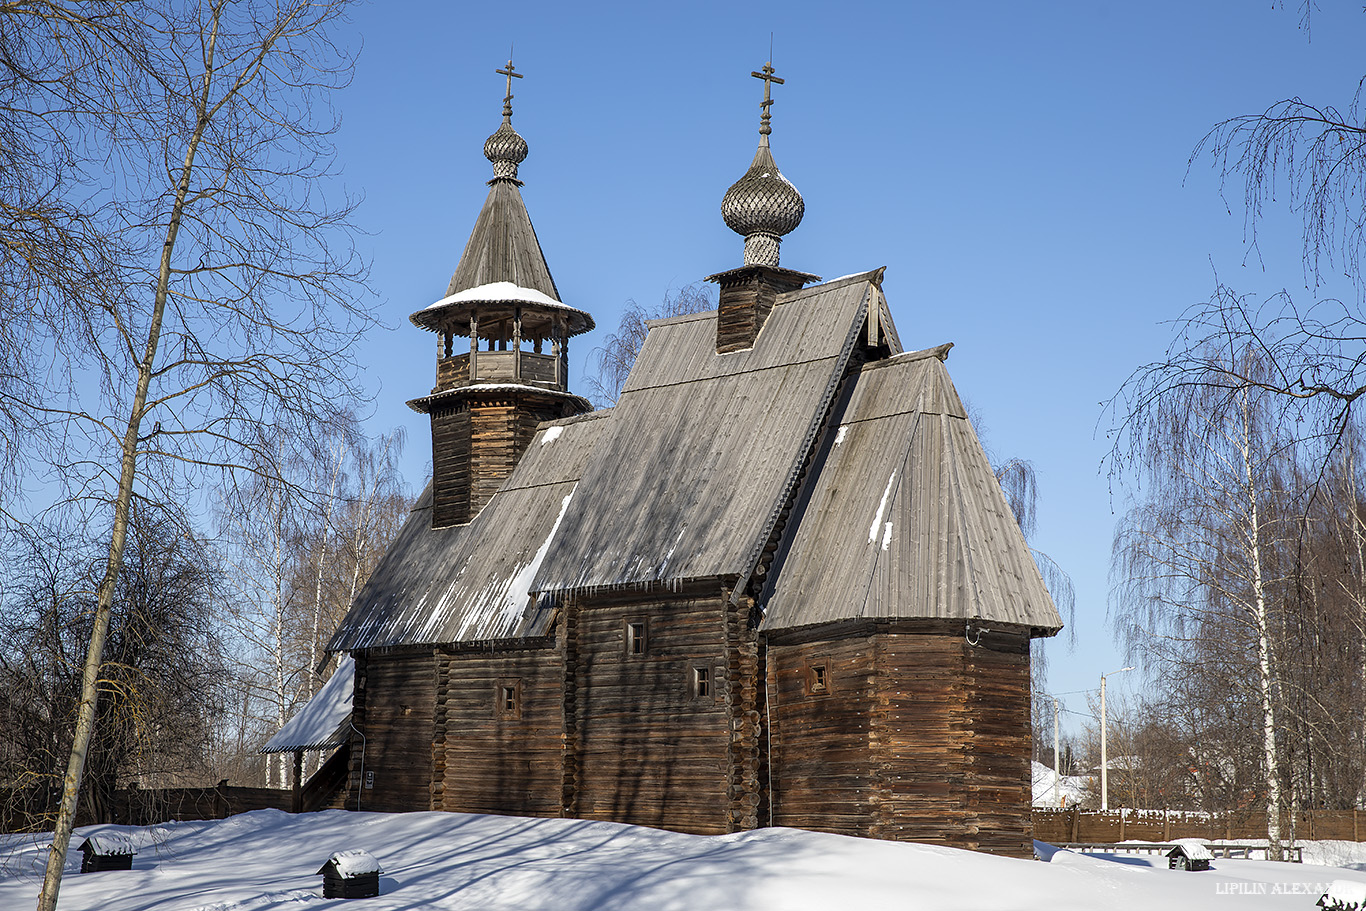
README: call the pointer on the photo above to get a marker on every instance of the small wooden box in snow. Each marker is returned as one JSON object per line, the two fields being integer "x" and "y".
{"x": 106, "y": 852}
{"x": 1344, "y": 895}
{"x": 350, "y": 874}
{"x": 1189, "y": 854}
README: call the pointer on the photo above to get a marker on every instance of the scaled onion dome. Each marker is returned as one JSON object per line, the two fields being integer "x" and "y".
{"x": 763, "y": 205}
{"x": 506, "y": 149}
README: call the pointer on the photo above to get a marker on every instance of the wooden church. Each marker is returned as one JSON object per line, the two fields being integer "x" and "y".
{"x": 776, "y": 585}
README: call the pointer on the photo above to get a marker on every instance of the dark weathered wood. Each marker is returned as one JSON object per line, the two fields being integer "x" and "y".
{"x": 477, "y": 441}
{"x": 918, "y": 737}
{"x": 491, "y": 761}
{"x": 747, "y": 297}
{"x": 648, "y": 750}
{"x": 398, "y": 728}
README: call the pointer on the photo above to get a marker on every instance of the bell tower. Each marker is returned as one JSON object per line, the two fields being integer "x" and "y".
{"x": 502, "y": 343}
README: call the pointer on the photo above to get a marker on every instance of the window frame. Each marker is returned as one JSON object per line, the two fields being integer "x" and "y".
{"x": 703, "y": 682}
{"x": 505, "y": 691}
{"x": 636, "y": 637}
{"x": 818, "y": 677}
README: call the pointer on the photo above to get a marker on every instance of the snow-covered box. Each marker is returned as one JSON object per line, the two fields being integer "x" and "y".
{"x": 350, "y": 874}
{"x": 1189, "y": 854}
{"x": 1344, "y": 895}
{"x": 106, "y": 852}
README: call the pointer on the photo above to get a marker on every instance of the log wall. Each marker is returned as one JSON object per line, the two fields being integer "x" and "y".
{"x": 913, "y": 735}
{"x": 999, "y": 780}
{"x": 489, "y": 759}
{"x": 476, "y": 443}
{"x": 890, "y": 730}
{"x": 450, "y": 466}
{"x": 822, "y": 777}
{"x": 747, "y": 297}
{"x": 647, "y": 749}
{"x": 394, "y": 705}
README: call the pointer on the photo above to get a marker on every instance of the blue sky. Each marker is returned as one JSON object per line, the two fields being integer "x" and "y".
{"x": 1019, "y": 168}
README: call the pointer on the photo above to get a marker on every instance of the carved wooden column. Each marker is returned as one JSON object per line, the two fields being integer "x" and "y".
{"x": 474, "y": 344}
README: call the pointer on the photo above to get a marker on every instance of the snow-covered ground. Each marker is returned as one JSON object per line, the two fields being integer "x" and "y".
{"x": 268, "y": 860}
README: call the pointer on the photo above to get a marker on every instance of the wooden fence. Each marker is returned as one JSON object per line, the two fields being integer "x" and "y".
{"x": 34, "y": 809}
{"x": 1076, "y": 825}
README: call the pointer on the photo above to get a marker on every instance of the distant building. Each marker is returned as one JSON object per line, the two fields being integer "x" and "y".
{"x": 776, "y": 584}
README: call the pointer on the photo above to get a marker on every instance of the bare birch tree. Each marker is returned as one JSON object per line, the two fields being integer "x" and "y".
{"x": 1195, "y": 562}
{"x": 226, "y": 308}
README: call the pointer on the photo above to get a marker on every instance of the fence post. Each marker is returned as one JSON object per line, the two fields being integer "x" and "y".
{"x": 1076, "y": 823}
{"x": 1166, "y": 825}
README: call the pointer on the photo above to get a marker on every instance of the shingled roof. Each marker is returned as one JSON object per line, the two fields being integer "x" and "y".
{"x": 702, "y": 448}
{"x": 898, "y": 515}
{"x": 503, "y": 247}
{"x": 471, "y": 582}
{"x": 903, "y": 516}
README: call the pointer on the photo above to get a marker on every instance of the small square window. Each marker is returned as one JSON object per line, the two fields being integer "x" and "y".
{"x": 636, "y": 639}
{"x": 817, "y": 679}
{"x": 508, "y": 699}
{"x": 701, "y": 681}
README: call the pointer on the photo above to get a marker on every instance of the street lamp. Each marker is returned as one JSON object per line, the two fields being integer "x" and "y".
{"x": 1104, "y": 754}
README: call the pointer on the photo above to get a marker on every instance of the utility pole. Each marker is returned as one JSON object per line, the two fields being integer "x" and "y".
{"x": 1104, "y": 754}
{"x": 1057, "y": 766}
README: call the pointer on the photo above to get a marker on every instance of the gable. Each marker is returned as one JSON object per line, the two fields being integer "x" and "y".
{"x": 903, "y": 517}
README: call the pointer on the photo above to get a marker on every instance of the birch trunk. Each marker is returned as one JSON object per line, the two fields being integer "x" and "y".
{"x": 85, "y": 719}
{"x": 1265, "y": 677}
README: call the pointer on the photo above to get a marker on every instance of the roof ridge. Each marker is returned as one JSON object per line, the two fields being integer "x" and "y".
{"x": 578, "y": 418}
{"x": 940, "y": 352}
{"x": 680, "y": 318}
{"x": 872, "y": 275}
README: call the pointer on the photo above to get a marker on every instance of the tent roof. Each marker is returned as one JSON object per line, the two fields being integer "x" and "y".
{"x": 904, "y": 517}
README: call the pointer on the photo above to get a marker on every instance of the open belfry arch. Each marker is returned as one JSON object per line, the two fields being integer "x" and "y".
{"x": 776, "y": 584}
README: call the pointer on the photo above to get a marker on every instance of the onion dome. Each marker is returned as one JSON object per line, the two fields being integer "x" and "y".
{"x": 763, "y": 205}
{"x": 506, "y": 148}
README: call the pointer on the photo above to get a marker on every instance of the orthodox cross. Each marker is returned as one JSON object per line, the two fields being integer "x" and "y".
{"x": 769, "y": 79}
{"x": 510, "y": 72}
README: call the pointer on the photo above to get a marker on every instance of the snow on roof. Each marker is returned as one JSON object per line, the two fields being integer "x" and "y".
{"x": 1071, "y": 788}
{"x": 1195, "y": 848}
{"x": 109, "y": 844}
{"x": 1345, "y": 892}
{"x": 498, "y": 291}
{"x": 349, "y": 864}
{"x": 325, "y": 721}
